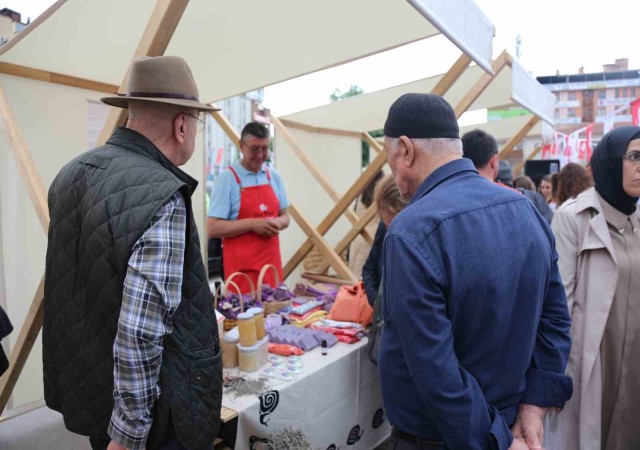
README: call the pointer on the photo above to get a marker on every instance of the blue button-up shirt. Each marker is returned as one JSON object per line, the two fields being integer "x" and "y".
{"x": 475, "y": 315}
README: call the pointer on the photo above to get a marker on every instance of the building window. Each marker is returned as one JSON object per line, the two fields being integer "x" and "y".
{"x": 632, "y": 92}
{"x": 602, "y": 111}
{"x": 602, "y": 94}
{"x": 571, "y": 112}
{"x": 572, "y": 95}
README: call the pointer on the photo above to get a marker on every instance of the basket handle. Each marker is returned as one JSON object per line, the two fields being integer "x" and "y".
{"x": 216, "y": 295}
{"x": 263, "y": 272}
{"x": 237, "y": 288}
{"x": 249, "y": 280}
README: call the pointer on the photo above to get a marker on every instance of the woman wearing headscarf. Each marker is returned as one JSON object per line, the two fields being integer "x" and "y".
{"x": 598, "y": 244}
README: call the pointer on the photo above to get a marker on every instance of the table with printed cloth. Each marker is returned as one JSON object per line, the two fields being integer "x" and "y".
{"x": 335, "y": 401}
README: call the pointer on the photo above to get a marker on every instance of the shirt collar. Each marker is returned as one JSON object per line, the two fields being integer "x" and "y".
{"x": 244, "y": 172}
{"x": 617, "y": 218}
{"x": 441, "y": 174}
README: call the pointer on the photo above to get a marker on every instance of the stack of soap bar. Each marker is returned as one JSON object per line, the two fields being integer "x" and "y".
{"x": 303, "y": 338}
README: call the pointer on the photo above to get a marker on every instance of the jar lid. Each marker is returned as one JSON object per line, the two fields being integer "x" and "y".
{"x": 254, "y": 310}
{"x": 252, "y": 349}
{"x": 245, "y": 316}
{"x": 231, "y": 338}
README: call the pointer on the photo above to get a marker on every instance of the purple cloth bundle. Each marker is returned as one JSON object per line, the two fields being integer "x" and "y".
{"x": 229, "y": 306}
{"x": 319, "y": 290}
{"x": 279, "y": 294}
{"x": 303, "y": 338}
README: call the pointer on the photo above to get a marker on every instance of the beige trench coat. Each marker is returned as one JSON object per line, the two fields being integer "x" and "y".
{"x": 589, "y": 272}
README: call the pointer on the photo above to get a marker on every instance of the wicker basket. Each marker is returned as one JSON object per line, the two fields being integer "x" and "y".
{"x": 228, "y": 324}
{"x": 275, "y": 306}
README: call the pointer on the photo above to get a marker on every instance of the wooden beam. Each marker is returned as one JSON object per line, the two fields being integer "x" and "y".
{"x": 497, "y": 65}
{"x": 346, "y": 200}
{"x": 319, "y": 130}
{"x": 227, "y": 127}
{"x": 317, "y": 174}
{"x": 521, "y": 164}
{"x": 156, "y": 37}
{"x": 515, "y": 140}
{"x": 26, "y": 164}
{"x": 325, "y": 249}
{"x": 351, "y": 235}
{"x": 326, "y": 279}
{"x": 452, "y": 75}
{"x": 22, "y": 348}
{"x": 57, "y": 78}
{"x": 372, "y": 142}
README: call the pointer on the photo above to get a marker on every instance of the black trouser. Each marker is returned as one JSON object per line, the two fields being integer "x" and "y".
{"x": 405, "y": 441}
{"x": 170, "y": 441}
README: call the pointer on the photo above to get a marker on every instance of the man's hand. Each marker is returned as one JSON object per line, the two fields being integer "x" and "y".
{"x": 113, "y": 445}
{"x": 265, "y": 227}
{"x": 529, "y": 426}
{"x": 518, "y": 444}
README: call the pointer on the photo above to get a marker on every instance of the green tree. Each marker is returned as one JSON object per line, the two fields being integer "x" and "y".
{"x": 354, "y": 89}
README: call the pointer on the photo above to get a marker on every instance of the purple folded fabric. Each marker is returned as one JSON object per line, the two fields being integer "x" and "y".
{"x": 304, "y": 338}
{"x": 308, "y": 290}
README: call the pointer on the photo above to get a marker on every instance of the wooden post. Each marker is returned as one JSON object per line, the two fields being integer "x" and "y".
{"x": 452, "y": 75}
{"x": 57, "y": 78}
{"x": 38, "y": 195}
{"x": 497, "y": 65}
{"x": 227, "y": 127}
{"x": 346, "y": 200}
{"x": 325, "y": 249}
{"x": 520, "y": 165}
{"x": 320, "y": 130}
{"x": 26, "y": 165}
{"x": 372, "y": 142}
{"x": 317, "y": 174}
{"x": 351, "y": 235}
{"x": 162, "y": 24}
{"x": 527, "y": 127}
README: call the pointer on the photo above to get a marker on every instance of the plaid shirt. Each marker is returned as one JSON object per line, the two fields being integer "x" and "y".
{"x": 151, "y": 295}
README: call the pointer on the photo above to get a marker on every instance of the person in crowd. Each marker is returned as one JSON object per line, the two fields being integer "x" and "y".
{"x": 524, "y": 182}
{"x": 599, "y": 246}
{"x": 249, "y": 210}
{"x": 482, "y": 149}
{"x": 359, "y": 249}
{"x": 571, "y": 181}
{"x": 546, "y": 190}
{"x": 131, "y": 351}
{"x": 390, "y": 203}
{"x": 474, "y": 347}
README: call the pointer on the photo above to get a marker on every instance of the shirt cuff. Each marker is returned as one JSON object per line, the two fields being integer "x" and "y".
{"x": 499, "y": 432}
{"x": 130, "y": 434}
{"x": 547, "y": 389}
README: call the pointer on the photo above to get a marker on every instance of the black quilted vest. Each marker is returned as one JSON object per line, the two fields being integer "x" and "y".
{"x": 100, "y": 204}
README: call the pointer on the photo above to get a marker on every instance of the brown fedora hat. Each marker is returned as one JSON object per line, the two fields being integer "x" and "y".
{"x": 160, "y": 79}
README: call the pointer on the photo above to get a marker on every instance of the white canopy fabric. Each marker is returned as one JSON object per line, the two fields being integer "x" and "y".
{"x": 237, "y": 46}
{"x": 367, "y": 112}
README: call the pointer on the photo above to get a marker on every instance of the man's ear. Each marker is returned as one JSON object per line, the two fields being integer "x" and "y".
{"x": 407, "y": 151}
{"x": 179, "y": 128}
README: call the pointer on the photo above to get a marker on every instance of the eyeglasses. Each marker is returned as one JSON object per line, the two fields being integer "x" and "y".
{"x": 256, "y": 149}
{"x": 201, "y": 123}
{"x": 633, "y": 158}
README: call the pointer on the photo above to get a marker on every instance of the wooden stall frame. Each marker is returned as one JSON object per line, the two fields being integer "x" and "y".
{"x": 517, "y": 169}
{"x": 162, "y": 24}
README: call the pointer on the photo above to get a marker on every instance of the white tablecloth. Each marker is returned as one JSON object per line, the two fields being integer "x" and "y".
{"x": 336, "y": 402}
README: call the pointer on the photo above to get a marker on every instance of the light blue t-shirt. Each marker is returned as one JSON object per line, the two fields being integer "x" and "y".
{"x": 225, "y": 199}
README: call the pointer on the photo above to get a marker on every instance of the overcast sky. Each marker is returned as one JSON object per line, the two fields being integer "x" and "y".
{"x": 555, "y": 34}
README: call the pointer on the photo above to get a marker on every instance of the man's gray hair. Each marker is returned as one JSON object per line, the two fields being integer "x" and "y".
{"x": 436, "y": 147}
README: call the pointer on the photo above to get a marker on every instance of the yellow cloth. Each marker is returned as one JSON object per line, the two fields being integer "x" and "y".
{"x": 314, "y": 317}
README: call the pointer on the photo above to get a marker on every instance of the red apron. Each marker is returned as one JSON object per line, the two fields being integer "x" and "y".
{"x": 249, "y": 252}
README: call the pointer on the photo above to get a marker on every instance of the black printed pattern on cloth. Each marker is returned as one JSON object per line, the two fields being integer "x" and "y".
{"x": 355, "y": 435}
{"x": 378, "y": 418}
{"x": 268, "y": 404}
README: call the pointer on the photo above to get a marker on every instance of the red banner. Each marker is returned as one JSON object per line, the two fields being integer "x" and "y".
{"x": 635, "y": 108}
{"x": 589, "y": 132}
{"x": 546, "y": 152}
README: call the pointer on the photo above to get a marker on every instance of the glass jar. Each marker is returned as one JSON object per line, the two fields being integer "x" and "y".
{"x": 247, "y": 329}
{"x": 258, "y": 317}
